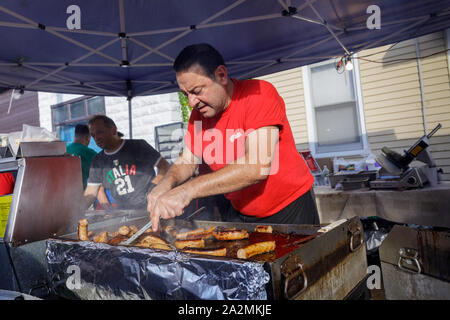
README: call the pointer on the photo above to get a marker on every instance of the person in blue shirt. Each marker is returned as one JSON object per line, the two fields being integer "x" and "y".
{"x": 80, "y": 148}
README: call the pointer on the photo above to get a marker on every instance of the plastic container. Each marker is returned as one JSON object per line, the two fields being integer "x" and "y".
{"x": 326, "y": 173}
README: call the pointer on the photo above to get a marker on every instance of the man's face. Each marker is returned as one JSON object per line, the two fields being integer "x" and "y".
{"x": 103, "y": 135}
{"x": 209, "y": 96}
{"x": 87, "y": 140}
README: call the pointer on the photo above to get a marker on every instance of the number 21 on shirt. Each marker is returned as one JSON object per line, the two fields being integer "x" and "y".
{"x": 123, "y": 185}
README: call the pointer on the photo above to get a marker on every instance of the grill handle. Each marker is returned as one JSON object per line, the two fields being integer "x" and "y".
{"x": 410, "y": 257}
{"x": 291, "y": 278}
{"x": 355, "y": 233}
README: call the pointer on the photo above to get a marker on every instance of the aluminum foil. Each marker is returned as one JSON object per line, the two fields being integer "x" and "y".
{"x": 87, "y": 270}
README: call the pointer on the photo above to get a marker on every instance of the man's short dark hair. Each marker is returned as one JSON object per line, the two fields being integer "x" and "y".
{"x": 82, "y": 130}
{"x": 202, "y": 54}
{"x": 107, "y": 121}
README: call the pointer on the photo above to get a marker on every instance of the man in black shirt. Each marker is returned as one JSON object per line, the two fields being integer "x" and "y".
{"x": 128, "y": 168}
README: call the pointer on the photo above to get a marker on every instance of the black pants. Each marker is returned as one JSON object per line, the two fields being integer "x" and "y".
{"x": 303, "y": 210}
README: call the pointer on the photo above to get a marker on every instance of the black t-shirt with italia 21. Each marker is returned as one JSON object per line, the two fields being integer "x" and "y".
{"x": 127, "y": 172}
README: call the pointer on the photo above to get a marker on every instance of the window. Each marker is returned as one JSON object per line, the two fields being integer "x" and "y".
{"x": 169, "y": 139}
{"x": 66, "y": 115}
{"x": 334, "y": 110}
{"x": 78, "y": 109}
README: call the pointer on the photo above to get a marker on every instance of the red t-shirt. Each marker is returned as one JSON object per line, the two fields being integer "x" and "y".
{"x": 6, "y": 183}
{"x": 221, "y": 139}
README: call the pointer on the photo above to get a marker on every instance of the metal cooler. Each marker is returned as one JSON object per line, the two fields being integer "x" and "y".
{"x": 415, "y": 263}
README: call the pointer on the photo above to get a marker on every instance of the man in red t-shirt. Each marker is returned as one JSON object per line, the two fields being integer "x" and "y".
{"x": 239, "y": 129}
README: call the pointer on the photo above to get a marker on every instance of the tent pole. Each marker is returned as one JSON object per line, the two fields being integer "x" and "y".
{"x": 130, "y": 124}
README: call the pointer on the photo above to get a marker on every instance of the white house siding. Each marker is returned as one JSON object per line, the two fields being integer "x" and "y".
{"x": 289, "y": 85}
{"x": 436, "y": 81}
{"x": 391, "y": 98}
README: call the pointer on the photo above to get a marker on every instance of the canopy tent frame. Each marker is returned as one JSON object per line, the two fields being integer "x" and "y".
{"x": 58, "y": 75}
{"x": 124, "y": 37}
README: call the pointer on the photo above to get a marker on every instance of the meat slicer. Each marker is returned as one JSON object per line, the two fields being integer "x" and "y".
{"x": 396, "y": 172}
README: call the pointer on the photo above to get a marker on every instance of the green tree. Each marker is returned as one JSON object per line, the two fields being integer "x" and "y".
{"x": 186, "y": 109}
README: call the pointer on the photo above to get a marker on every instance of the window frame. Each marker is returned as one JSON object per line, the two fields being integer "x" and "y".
{"x": 311, "y": 119}
{"x": 72, "y": 101}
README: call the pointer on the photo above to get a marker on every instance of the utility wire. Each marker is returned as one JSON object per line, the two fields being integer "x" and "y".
{"x": 402, "y": 59}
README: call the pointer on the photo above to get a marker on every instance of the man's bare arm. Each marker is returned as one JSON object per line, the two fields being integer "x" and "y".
{"x": 102, "y": 198}
{"x": 183, "y": 169}
{"x": 163, "y": 166}
{"x": 252, "y": 168}
{"x": 89, "y": 196}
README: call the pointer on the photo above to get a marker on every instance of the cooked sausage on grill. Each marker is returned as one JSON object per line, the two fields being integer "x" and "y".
{"x": 117, "y": 239}
{"x": 256, "y": 248}
{"x": 222, "y": 252}
{"x": 264, "y": 229}
{"x": 101, "y": 237}
{"x": 133, "y": 230}
{"x": 181, "y": 244}
{"x": 199, "y": 233}
{"x": 154, "y": 246}
{"x": 230, "y": 234}
{"x": 124, "y": 230}
{"x": 152, "y": 239}
{"x": 83, "y": 230}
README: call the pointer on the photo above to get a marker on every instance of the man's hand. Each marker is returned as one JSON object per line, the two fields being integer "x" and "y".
{"x": 166, "y": 200}
{"x": 153, "y": 196}
{"x": 169, "y": 205}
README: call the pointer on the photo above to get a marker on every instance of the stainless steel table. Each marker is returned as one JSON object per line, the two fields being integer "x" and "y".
{"x": 429, "y": 206}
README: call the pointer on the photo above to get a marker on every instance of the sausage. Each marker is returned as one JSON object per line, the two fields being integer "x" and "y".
{"x": 222, "y": 252}
{"x": 117, "y": 239}
{"x": 83, "y": 230}
{"x": 160, "y": 246}
{"x": 230, "y": 234}
{"x": 153, "y": 240}
{"x": 150, "y": 245}
{"x": 153, "y": 245}
{"x": 101, "y": 237}
{"x": 181, "y": 244}
{"x": 149, "y": 230}
{"x": 200, "y": 233}
{"x": 124, "y": 230}
{"x": 133, "y": 230}
{"x": 185, "y": 235}
{"x": 264, "y": 229}
{"x": 256, "y": 248}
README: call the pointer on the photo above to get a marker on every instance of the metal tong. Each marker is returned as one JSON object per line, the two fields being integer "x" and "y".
{"x": 149, "y": 225}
